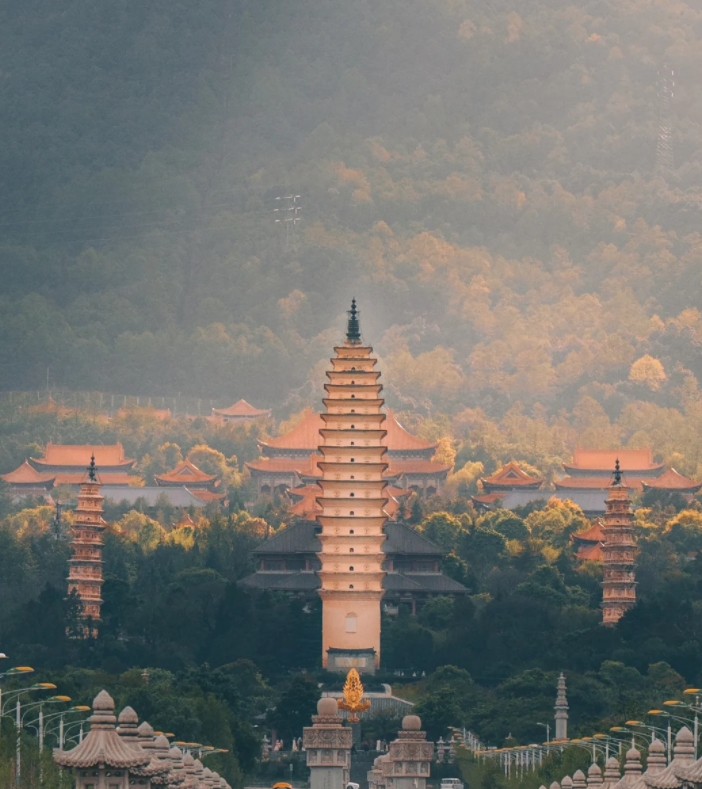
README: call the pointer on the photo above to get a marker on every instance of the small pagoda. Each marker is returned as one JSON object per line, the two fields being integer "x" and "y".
{"x": 619, "y": 582}
{"x": 85, "y": 566}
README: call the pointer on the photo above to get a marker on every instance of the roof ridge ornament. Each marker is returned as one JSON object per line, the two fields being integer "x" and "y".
{"x": 353, "y": 330}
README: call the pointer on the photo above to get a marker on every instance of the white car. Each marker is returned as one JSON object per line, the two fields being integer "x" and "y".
{"x": 451, "y": 783}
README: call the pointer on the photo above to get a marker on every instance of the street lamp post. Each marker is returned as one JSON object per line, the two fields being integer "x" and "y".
{"x": 548, "y": 731}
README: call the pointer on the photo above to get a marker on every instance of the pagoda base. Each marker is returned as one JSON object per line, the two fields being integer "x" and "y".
{"x": 341, "y": 660}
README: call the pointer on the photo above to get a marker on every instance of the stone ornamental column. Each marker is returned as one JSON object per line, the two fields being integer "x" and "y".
{"x": 561, "y": 710}
{"x": 328, "y": 746}
{"x": 612, "y": 773}
{"x": 594, "y": 776}
{"x": 579, "y": 781}
{"x": 410, "y": 756}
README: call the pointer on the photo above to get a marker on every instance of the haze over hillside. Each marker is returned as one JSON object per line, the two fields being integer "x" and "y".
{"x": 480, "y": 176}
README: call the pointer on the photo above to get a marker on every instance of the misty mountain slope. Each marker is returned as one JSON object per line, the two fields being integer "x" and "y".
{"x": 481, "y": 176}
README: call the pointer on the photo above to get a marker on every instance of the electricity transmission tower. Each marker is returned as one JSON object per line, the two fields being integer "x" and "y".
{"x": 664, "y": 145}
{"x": 288, "y": 216}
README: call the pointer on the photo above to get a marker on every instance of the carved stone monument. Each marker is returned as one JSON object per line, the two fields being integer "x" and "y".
{"x": 410, "y": 756}
{"x": 328, "y": 746}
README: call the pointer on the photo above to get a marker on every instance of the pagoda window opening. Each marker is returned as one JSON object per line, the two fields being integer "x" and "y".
{"x": 352, "y": 512}
{"x": 350, "y": 586}
{"x": 353, "y": 460}
{"x": 351, "y": 550}
{"x": 353, "y": 443}
{"x": 352, "y": 477}
{"x": 352, "y": 494}
{"x": 353, "y": 410}
{"x": 350, "y": 569}
{"x": 353, "y": 395}
{"x": 351, "y": 531}
{"x": 353, "y": 427}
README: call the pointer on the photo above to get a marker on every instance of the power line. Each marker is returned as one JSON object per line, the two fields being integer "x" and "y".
{"x": 664, "y": 144}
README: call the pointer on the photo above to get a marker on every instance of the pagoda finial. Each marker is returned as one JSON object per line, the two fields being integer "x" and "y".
{"x": 617, "y": 473}
{"x": 353, "y": 331}
{"x": 92, "y": 470}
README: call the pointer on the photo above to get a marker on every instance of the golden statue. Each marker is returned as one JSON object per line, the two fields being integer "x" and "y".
{"x": 353, "y": 701}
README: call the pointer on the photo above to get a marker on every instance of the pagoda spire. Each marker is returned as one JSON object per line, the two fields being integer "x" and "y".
{"x": 353, "y": 331}
{"x": 617, "y": 473}
{"x": 619, "y": 580}
{"x": 561, "y": 710}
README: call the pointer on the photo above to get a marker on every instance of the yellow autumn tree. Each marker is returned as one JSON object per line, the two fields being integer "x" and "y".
{"x": 648, "y": 371}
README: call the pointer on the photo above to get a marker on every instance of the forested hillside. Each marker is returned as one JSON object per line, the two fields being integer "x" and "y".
{"x": 480, "y": 176}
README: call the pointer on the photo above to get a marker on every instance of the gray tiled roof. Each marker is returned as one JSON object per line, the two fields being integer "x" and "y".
{"x": 589, "y": 501}
{"x": 432, "y": 583}
{"x": 301, "y": 537}
{"x": 176, "y": 497}
{"x": 283, "y": 581}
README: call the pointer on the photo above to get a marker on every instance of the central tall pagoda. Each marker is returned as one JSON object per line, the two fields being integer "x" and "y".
{"x": 352, "y": 505}
{"x": 85, "y": 566}
{"x": 619, "y": 550}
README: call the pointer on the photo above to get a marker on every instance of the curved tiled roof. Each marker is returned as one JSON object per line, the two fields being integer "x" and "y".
{"x": 673, "y": 480}
{"x": 593, "y": 534}
{"x": 417, "y": 466}
{"x": 242, "y": 408}
{"x": 511, "y": 476}
{"x": 185, "y": 473}
{"x": 595, "y": 483}
{"x": 80, "y": 454}
{"x": 26, "y": 474}
{"x": 604, "y": 459}
{"x": 305, "y": 435}
{"x": 301, "y": 537}
{"x": 102, "y": 744}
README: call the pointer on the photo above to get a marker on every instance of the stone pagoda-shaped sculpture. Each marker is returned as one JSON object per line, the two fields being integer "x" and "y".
{"x": 104, "y": 760}
{"x": 328, "y": 745}
{"x": 619, "y": 584}
{"x": 561, "y": 710}
{"x": 409, "y": 756}
{"x": 85, "y": 566}
{"x": 352, "y": 506}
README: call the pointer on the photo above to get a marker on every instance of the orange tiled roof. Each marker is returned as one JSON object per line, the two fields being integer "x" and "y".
{"x": 511, "y": 476}
{"x": 593, "y": 534}
{"x": 307, "y": 507}
{"x": 489, "y": 498}
{"x": 186, "y": 473}
{"x": 242, "y": 408}
{"x": 80, "y": 454}
{"x": 305, "y": 435}
{"x": 416, "y": 466}
{"x": 604, "y": 459}
{"x": 283, "y": 465}
{"x": 205, "y": 495}
{"x": 26, "y": 474}
{"x": 591, "y": 553}
{"x": 307, "y": 466}
{"x": 595, "y": 483}
{"x": 673, "y": 480}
